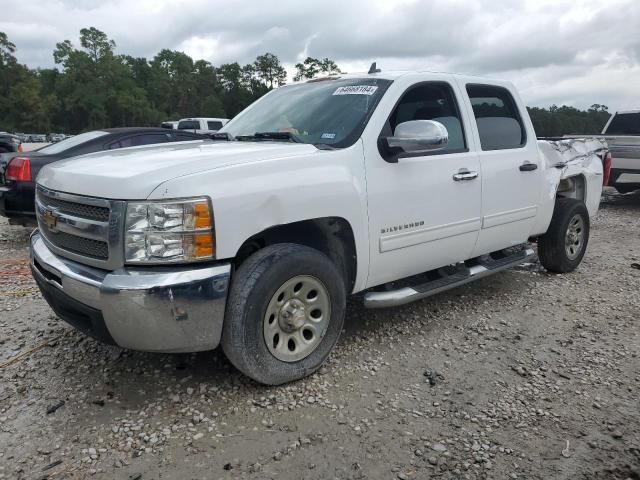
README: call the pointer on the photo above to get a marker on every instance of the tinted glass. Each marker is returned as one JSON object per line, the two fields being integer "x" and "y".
{"x": 146, "y": 139}
{"x": 71, "y": 142}
{"x": 215, "y": 125}
{"x": 432, "y": 101}
{"x": 184, "y": 137}
{"x": 624, "y": 124}
{"x": 188, "y": 125}
{"x": 331, "y": 112}
{"x": 499, "y": 123}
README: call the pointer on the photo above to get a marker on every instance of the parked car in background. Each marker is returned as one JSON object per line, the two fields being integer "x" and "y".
{"x": 401, "y": 184}
{"x": 622, "y": 134}
{"x": 10, "y": 143}
{"x": 170, "y": 124}
{"x": 202, "y": 125}
{"x": 55, "y": 137}
{"x": 36, "y": 138}
{"x": 18, "y": 171}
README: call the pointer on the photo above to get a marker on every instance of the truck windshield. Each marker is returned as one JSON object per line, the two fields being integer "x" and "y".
{"x": 331, "y": 112}
{"x": 624, "y": 124}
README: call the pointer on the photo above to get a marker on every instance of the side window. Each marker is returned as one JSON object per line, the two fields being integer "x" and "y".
{"x": 431, "y": 101}
{"x": 145, "y": 139}
{"x": 148, "y": 139}
{"x": 185, "y": 137}
{"x": 214, "y": 125}
{"x": 499, "y": 123}
{"x": 189, "y": 125}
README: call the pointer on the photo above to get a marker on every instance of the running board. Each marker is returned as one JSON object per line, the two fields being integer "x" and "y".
{"x": 482, "y": 268}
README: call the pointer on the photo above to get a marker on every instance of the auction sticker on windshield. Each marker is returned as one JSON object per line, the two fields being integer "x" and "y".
{"x": 356, "y": 90}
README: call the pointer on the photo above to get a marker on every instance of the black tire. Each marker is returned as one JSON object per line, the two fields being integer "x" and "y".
{"x": 552, "y": 250}
{"x": 253, "y": 286}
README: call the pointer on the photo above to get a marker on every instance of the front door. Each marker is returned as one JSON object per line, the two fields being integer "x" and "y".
{"x": 420, "y": 216}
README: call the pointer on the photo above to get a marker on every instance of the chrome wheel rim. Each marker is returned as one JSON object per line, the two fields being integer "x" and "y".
{"x": 297, "y": 318}
{"x": 574, "y": 238}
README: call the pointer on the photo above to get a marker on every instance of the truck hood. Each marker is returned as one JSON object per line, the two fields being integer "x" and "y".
{"x": 133, "y": 173}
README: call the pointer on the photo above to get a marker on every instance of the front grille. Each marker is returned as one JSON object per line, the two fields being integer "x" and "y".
{"x": 82, "y": 246}
{"x": 81, "y": 228}
{"x": 76, "y": 209}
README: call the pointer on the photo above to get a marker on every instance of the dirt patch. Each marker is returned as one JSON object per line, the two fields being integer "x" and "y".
{"x": 521, "y": 375}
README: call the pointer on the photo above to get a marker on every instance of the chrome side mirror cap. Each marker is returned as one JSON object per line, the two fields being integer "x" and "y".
{"x": 418, "y": 136}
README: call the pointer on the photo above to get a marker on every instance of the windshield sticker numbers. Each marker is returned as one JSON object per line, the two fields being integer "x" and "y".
{"x": 356, "y": 90}
{"x": 328, "y": 136}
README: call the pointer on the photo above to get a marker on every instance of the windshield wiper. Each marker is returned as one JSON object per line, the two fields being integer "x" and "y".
{"x": 270, "y": 136}
{"x": 222, "y": 136}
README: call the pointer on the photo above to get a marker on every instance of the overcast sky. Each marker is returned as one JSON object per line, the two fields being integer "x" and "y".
{"x": 555, "y": 51}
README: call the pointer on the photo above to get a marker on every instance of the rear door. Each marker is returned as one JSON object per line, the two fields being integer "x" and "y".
{"x": 509, "y": 163}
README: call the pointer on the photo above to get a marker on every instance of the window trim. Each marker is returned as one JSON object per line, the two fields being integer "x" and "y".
{"x": 523, "y": 128}
{"x": 393, "y": 158}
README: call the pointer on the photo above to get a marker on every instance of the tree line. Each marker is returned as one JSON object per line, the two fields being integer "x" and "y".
{"x": 93, "y": 87}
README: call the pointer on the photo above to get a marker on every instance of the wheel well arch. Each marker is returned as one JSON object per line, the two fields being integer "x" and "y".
{"x": 333, "y": 236}
{"x": 573, "y": 187}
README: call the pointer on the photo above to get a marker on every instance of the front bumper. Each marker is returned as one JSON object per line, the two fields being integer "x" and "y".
{"x": 156, "y": 309}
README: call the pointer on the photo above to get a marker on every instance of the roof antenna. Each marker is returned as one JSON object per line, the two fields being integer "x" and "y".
{"x": 373, "y": 69}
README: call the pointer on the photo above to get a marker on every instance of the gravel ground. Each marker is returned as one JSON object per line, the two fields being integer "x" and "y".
{"x": 521, "y": 375}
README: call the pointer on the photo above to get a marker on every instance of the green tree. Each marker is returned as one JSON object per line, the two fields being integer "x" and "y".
{"x": 267, "y": 68}
{"x": 312, "y": 67}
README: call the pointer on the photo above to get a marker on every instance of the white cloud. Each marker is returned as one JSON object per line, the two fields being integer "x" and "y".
{"x": 556, "y": 51}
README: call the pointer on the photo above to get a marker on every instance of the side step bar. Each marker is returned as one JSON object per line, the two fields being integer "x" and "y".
{"x": 401, "y": 296}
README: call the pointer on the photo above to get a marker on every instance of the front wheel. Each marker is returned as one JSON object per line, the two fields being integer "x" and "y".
{"x": 561, "y": 249}
{"x": 284, "y": 313}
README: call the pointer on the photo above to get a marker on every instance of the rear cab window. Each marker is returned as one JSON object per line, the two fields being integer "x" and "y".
{"x": 214, "y": 125}
{"x": 189, "y": 125}
{"x": 499, "y": 122}
{"x": 624, "y": 124}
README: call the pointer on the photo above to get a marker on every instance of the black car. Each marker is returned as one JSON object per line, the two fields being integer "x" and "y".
{"x": 18, "y": 171}
{"x": 9, "y": 143}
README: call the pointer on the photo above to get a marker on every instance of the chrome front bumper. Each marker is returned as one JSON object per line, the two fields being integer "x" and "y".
{"x": 159, "y": 309}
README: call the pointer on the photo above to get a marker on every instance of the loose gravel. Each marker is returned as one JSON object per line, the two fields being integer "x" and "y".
{"x": 521, "y": 375}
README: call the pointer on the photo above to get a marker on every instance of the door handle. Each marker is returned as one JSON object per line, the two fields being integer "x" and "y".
{"x": 464, "y": 174}
{"x": 528, "y": 167}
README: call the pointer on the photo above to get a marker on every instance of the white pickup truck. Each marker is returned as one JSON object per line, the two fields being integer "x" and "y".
{"x": 202, "y": 125}
{"x": 622, "y": 134}
{"x": 401, "y": 185}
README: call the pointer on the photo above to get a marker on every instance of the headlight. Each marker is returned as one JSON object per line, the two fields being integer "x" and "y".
{"x": 169, "y": 231}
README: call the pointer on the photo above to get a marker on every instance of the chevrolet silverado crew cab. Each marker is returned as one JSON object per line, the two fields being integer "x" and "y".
{"x": 398, "y": 185}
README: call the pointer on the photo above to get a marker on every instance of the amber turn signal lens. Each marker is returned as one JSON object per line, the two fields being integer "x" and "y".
{"x": 202, "y": 215}
{"x": 203, "y": 244}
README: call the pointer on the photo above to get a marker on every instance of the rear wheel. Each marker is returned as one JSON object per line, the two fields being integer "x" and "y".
{"x": 561, "y": 249}
{"x": 284, "y": 313}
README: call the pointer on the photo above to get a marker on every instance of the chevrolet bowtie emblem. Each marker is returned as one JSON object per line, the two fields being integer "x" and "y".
{"x": 49, "y": 219}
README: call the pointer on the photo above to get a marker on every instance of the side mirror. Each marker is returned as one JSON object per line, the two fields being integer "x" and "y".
{"x": 418, "y": 136}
